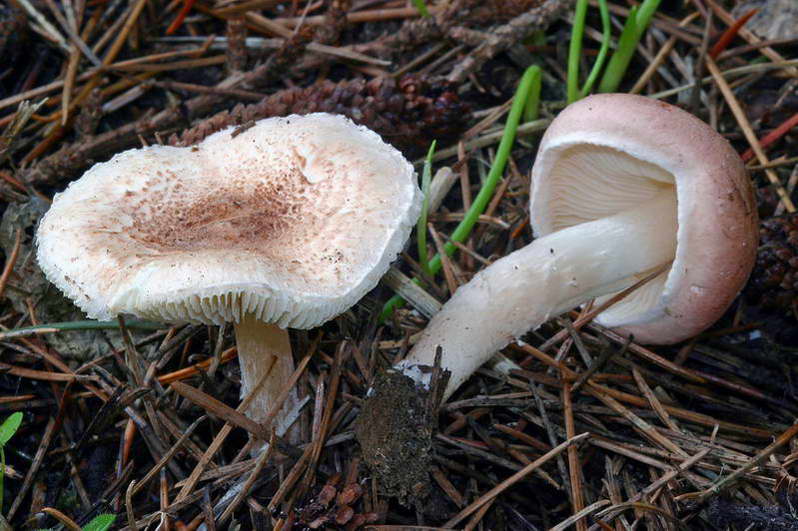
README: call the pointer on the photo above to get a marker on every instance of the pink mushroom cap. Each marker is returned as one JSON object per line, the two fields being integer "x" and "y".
{"x": 609, "y": 152}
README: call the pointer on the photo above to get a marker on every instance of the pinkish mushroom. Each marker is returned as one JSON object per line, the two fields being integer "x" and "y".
{"x": 285, "y": 224}
{"x": 622, "y": 185}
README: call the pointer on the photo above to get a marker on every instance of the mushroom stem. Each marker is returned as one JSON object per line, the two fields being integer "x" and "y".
{"x": 554, "y": 273}
{"x": 264, "y": 348}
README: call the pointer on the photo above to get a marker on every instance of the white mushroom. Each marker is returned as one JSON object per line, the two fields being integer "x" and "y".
{"x": 622, "y": 185}
{"x": 286, "y": 224}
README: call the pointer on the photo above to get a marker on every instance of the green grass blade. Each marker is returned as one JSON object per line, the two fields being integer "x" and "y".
{"x": 9, "y": 427}
{"x": 7, "y": 430}
{"x": 483, "y": 197}
{"x": 639, "y": 18}
{"x": 622, "y": 56}
{"x": 2, "y": 475}
{"x": 101, "y": 522}
{"x": 422, "y": 7}
{"x": 644, "y": 15}
{"x": 532, "y": 107}
{"x": 575, "y": 50}
{"x": 421, "y": 228}
{"x": 606, "y": 29}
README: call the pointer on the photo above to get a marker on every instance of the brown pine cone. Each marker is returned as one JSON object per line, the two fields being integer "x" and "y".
{"x": 774, "y": 281}
{"x": 409, "y": 113}
{"x": 501, "y": 11}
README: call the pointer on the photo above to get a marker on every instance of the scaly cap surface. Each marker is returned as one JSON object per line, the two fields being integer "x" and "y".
{"x": 292, "y": 220}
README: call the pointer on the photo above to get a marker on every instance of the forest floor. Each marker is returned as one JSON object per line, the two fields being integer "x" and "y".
{"x": 573, "y": 427}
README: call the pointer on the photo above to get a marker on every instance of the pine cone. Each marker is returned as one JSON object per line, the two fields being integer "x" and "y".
{"x": 409, "y": 113}
{"x": 501, "y": 11}
{"x": 768, "y": 200}
{"x": 774, "y": 281}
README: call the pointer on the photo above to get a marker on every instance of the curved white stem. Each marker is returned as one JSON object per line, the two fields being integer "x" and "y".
{"x": 264, "y": 348}
{"x": 551, "y": 275}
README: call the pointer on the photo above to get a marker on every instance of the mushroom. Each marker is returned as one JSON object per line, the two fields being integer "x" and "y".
{"x": 622, "y": 185}
{"x": 283, "y": 224}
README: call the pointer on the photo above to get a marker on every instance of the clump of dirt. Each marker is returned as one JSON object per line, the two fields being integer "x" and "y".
{"x": 395, "y": 433}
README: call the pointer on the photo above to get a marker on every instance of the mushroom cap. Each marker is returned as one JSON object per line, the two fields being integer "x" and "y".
{"x": 292, "y": 219}
{"x": 609, "y": 152}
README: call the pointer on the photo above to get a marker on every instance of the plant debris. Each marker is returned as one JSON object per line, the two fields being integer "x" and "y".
{"x": 571, "y": 427}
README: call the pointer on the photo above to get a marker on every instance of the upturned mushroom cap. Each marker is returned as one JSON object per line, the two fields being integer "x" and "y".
{"x": 292, "y": 220}
{"x": 610, "y": 152}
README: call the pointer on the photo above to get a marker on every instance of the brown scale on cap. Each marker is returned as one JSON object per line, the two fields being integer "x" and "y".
{"x": 231, "y": 212}
{"x": 238, "y": 216}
